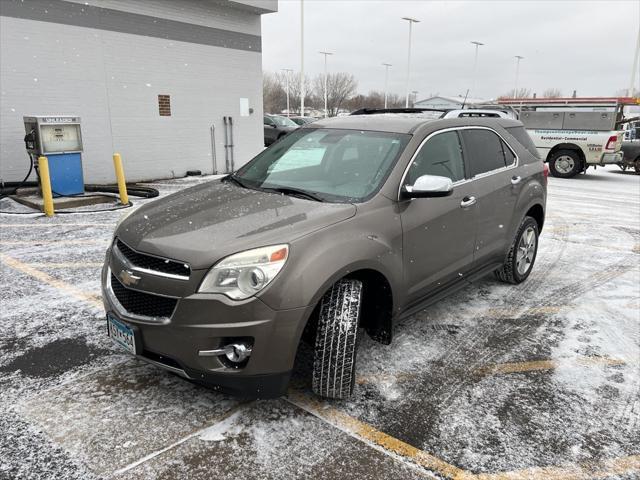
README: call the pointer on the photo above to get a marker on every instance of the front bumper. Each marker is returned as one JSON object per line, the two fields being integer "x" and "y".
{"x": 209, "y": 321}
{"x": 611, "y": 158}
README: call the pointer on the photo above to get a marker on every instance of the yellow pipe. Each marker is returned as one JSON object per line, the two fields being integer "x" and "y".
{"x": 45, "y": 184}
{"x": 122, "y": 186}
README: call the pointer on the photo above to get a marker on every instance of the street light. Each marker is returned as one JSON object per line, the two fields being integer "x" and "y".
{"x": 302, "y": 92}
{"x": 287, "y": 72}
{"x": 326, "y": 54}
{"x": 515, "y": 90}
{"x": 475, "y": 67}
{"x": 386, "y": 81}
{"x": 411, "y": 22}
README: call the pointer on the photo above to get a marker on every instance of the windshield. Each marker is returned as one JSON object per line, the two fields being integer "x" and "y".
{"x": 283, "y": 121}
{"x": 332, "y": 164}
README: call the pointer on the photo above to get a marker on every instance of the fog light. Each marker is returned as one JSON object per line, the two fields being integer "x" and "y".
{"x": 237, "y": 352}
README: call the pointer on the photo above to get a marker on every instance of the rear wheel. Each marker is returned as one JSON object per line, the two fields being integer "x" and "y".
{"x": 565, "y": 164}
{"x": 522, "y": 255}
{"x": 334, "y": 363}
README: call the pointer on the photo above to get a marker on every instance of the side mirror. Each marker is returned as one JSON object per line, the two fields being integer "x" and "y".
{"x": 428, "y": 186}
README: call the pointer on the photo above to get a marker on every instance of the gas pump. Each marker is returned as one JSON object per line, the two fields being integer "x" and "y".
{"x": 60, "y": 140}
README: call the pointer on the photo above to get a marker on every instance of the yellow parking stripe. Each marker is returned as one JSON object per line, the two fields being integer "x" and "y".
{"x": 92, "y": 299}
{"x": 585, "y": 471}
{"x": 372, "y": 436}
{"x": 518, "y": 367}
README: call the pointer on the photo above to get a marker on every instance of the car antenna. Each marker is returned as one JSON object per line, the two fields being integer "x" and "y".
{"x": 465, "y": 99}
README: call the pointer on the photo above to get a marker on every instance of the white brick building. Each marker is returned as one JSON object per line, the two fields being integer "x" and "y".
{"x": 108, "y": 61}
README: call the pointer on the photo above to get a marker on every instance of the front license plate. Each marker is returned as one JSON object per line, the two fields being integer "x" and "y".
{"x": 122, "y": 334}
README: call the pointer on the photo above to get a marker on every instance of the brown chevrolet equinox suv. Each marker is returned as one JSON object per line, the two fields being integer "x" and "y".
{"x": 341, "y": 227}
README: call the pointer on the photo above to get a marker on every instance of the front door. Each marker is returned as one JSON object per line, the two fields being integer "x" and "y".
{"x": 438, "y": 233}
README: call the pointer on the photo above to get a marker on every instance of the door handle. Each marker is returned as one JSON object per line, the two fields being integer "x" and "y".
{"x": 515, "y": 180}
{"x": 467, "y": 202}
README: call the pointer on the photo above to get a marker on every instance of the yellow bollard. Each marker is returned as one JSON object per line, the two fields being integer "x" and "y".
{"x": 122, "y": 186}
{"x": 45, "y": 184}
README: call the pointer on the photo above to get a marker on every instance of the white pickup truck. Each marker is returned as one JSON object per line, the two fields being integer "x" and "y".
{"x": 573, "y": 134}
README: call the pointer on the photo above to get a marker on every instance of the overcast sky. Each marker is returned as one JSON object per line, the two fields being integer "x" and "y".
{"x": 582, "y": 45}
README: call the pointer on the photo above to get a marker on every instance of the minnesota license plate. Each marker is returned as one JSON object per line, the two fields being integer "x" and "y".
{"x": 122, "y": 334}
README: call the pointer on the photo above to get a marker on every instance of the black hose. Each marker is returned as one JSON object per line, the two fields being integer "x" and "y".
{"x": 9, "y": 188}
{"x": 17, "y": 184}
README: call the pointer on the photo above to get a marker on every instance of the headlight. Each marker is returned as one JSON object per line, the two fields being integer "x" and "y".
{"x": 244, "y": 274}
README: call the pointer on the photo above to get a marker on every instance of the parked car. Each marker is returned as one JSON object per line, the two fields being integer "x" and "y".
{"x": 302, "y": 120}
{"x": 349, "y": 225}
{"x": 276, "y": 127}
{"x": 631, "y": 155}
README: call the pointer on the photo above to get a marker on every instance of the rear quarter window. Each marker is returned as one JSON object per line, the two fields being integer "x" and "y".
{"x": 521, "y": 135}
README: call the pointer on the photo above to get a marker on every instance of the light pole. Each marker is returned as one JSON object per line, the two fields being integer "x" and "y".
{"x": 302, "y": 92}
{"x": 287, "y": 72}
{"x": 415, "y": 97}
{"x": 386, "y": 81}
{"x": 411, "y": 22}
{"x": 326, "y": 54}
{"x": 636, "y": 58}
{"x": 475, "y": 66}
{"x": 515, "y": 90}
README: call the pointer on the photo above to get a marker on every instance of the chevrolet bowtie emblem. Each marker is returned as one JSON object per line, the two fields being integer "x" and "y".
{"x": 128, "y": 278}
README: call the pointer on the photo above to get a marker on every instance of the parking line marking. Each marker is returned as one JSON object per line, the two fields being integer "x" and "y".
{"x": 92, "y": 299}
{"x": 584, "y": 471}
{"x": 152, "y": 455}
{"x": 373, "y": 437}
{"x": 536, "y": 365}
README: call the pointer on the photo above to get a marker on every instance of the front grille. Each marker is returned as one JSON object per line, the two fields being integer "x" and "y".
{"x": 140, "y": 303}
{"x": 149, "y": 262}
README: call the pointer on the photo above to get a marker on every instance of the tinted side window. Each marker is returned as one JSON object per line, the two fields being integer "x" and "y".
{"x": 509, "y": 157}
{"x": 441, "y": 155}
{"x": 521, "y": 135}
{"x": 484, "y": 149}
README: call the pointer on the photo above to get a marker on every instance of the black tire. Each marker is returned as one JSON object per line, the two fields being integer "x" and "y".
{"x": 510, "y": 271}
{"x": 334, "y": 359}
{"x": 558, "y": 164}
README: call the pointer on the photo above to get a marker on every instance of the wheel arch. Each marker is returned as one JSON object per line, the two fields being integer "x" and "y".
{"x": 536, "y": 211}
{"x": 568, "y": 146}
{"x": 378, "y": 302}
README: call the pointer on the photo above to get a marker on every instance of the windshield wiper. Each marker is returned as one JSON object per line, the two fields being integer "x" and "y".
{"x": 236, "y": 180}
{"x": 295, "y": 191}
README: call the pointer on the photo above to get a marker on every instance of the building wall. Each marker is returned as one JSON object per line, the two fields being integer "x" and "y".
{"x": 111, "y": 79}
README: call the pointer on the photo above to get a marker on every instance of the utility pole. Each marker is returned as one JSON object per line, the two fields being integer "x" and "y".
{"x": 475, "y": 67}
{"x": 636, "y": 59}
{"x": 287, "y": 72}
{"x": 411, "y": 22}
{"x": 326, "y": 54}
{"x": 515, "y": 90}
{"x": 386, "y": 81}
{"x": 302, "y": 92}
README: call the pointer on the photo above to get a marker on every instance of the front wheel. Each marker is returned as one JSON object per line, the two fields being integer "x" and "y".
{"x": 522, "y": 255}
{"x": 565, "y": 164}
{"x": 334, "y": 362}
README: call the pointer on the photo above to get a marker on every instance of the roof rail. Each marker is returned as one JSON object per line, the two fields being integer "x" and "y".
{"x": 375, "y": 111}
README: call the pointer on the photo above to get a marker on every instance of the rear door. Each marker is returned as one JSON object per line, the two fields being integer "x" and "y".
{"x": 438, "y": 233}
{"x": 496, "y": 185}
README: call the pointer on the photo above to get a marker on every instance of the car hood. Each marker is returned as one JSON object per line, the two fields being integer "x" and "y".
{"x": 202, "y": 224}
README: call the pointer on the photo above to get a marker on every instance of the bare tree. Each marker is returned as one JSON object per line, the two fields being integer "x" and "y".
{"x": 341, "y": 87}
{"x": 273, "y": 93}
{"x": 523, "y": 92}
{"x": 552, "y": 93}
{"x": 374, "y": 99}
